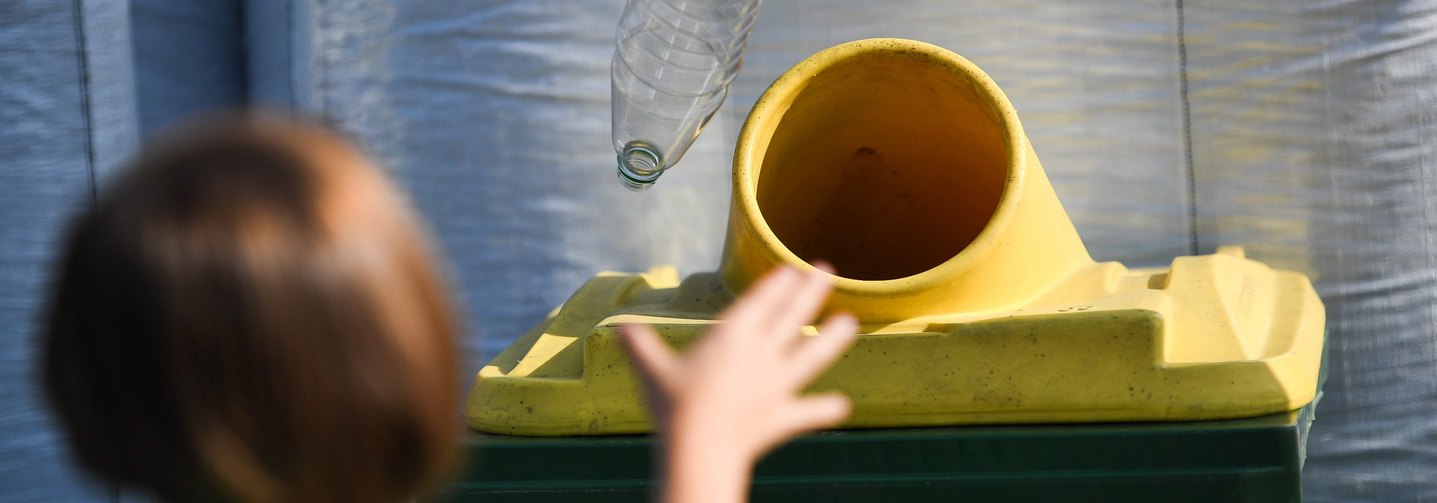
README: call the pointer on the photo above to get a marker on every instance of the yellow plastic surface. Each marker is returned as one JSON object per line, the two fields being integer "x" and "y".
{"x": 905, "y": 166}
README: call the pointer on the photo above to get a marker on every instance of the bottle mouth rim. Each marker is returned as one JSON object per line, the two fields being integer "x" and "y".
{"x": 639, "y": 165}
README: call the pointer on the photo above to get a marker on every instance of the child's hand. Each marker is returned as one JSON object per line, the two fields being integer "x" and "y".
{"x": 734, "y": 395}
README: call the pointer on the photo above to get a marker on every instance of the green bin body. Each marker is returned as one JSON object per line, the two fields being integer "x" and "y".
{"x": 1256, "y": 459}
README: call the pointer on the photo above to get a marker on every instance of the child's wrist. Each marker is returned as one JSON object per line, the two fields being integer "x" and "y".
{"x": 702, "y": 464}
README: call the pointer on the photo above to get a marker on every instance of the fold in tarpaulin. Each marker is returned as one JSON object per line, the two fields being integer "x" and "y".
{"x": 67, "y": 118}
{"x": 1303, "y": 131}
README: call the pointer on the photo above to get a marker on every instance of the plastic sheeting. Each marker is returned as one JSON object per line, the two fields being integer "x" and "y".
{"x": 188, "y": 57}
{"x": 67, "y": 115}
{"x": 496, "y": 118}
{"x": 1306, "y": 131}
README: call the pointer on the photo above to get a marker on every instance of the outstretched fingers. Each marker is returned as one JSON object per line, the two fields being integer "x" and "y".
{"x": 811, "y": 355}
{"x": 656, "y": 361}
{"x": 802, "y": 305}
{"x": 814, "y": 412}
{"x": 764, "y": 300}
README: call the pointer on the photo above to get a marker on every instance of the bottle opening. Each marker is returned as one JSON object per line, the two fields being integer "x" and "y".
{"x": 640, "y": 165}
{"x": 885, "y": 166}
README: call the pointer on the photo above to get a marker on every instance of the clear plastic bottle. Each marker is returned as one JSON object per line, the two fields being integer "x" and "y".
{"x": 672, "y": 67}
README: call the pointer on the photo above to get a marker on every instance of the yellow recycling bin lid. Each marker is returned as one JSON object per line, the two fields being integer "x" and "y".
{"x": 905, "y": 166}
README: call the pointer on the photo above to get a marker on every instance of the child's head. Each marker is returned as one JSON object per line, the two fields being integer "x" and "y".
{"x": 251, "y": 312}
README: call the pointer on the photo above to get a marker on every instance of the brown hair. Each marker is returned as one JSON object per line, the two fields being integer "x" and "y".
{"x": 251, "y": 313}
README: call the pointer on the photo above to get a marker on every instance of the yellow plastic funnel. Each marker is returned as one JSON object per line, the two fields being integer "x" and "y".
{"x": 903, "y": 165}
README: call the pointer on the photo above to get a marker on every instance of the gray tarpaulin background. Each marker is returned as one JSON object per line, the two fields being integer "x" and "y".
{"x": 1306, "y": 131}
